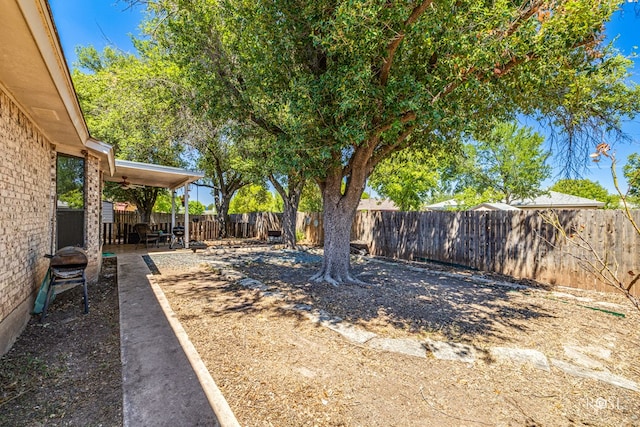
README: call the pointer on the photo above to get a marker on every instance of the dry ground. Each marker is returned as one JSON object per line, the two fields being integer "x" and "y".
{"x": 277, "y": 368}
{"x": 67, "y": 370}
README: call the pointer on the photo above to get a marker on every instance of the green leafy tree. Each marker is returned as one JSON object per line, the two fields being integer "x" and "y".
{"x": 587, "y": 189}
{"x": 132, "y": 103}
{"x": 470, "y": 197}
{"x": 163, "y": 203}
{"x": 311, "y": 199}
{"x": 632, "y": 173}
{"x": 70, "y": 181}
{"x": 510, "y": 161}
{"x": 253, "y": 198}
{"x": 195, "y": 207}
{"x": 287, "y": 178}
{"x": 409, "y": 178}
{"x": 345, "y": 85}
{"x": 222, "y": 162}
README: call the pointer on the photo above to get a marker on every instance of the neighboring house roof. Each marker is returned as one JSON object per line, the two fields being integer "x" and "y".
{"x": 546, "y": 201}
{"x": 558, "y": 201}
{"x": 377, "y": 205}
{"x": 443, "y": 206}
{"x": 494, "y": 207}
{"x": 124, "y": 207}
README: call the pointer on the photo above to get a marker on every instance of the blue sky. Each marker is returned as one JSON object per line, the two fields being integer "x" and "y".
{"x": 112, "y": 22}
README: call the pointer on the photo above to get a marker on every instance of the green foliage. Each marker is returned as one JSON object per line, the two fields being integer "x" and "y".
{"x": 132, "y": 103}
{"x": 163, "y": 203}
{"x": 70, "y": 181}
{"x": 587, "y": 189}
{"x": 470, "y": 197}
{"x": 409, "y": 178}
{"x": 74, "y": 198}
{"x": 510, "y": 161}
{"x": 632, "y": 174}
{"x": 253, "y": 198}
{"x": 195, "y": 207}
{"x": 326, "y": 79}
{"x": 311, "y": 200}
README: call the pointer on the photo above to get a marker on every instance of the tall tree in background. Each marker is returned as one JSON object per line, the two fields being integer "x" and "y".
{"x": 222, "y": 61}
{"x": 220, "y": 158}
{"x": 368, "y": 79}
{"x": 287, "y": 177}
{"x": 133, "y": 104}
{"x": 587, "y": 189}
{"x": 411, "y": 177}
{"x": 255, "y": 198}
{"x": 510, "y": 161}
{"x": 632, "y": 173}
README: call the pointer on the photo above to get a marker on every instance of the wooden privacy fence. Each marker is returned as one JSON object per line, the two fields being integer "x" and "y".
{"x": 515, "y": 243}
{"x": 207, "y": 228}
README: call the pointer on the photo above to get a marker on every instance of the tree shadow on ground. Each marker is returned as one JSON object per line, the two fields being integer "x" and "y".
{"x": 401, "y": 298}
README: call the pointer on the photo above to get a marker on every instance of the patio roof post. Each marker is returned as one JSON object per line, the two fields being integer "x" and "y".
{"x": 173, "y": 210}
{"x": 186, "y": 215}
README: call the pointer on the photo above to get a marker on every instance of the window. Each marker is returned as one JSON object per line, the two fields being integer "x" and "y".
{"x": 70, "y": 182}
{"x": 70, "y": 201}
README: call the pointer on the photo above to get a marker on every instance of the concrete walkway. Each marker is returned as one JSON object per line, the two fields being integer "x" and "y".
{"x": 160, "y": 385}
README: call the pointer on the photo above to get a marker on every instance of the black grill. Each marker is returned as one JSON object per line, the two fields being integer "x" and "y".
{"x": 66, "y": 270}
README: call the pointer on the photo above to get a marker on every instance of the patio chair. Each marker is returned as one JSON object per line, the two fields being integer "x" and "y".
{"x": 145, "y": 235}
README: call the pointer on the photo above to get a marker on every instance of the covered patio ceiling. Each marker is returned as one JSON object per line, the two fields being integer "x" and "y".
{"x": 152, "y": 175}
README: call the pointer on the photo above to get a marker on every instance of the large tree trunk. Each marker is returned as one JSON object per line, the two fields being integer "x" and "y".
{"x": 289, "y": 215}
{"x": 338, "y": 213}
{"x": 222, "y": 206}
{"x": 145, "y": 199}
{"x": 291, "y": 199}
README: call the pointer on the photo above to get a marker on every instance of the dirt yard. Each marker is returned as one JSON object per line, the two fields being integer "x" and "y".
{"x": 287, "y": 352}
{"x": 67, "y": 370}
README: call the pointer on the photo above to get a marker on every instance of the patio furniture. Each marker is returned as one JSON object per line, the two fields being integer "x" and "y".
{"x": 163, "y": 237}
{"x": 66, "y": 271}
{"x": 145, "y": 234}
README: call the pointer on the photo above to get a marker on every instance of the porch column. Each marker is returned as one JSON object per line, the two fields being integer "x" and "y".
{"x": 186, "y": 216}
{"x": 173, "y": 210}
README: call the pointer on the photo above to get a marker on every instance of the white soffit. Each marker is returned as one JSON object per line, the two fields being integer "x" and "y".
{"x": 153, "y": 175}
{"x": 34, "y": 74}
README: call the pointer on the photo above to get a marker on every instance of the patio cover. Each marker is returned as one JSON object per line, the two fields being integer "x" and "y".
{"x": 159, "y": 176}
{"x": 153, "y": 175}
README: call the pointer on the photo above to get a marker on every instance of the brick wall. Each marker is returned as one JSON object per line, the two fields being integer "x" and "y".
{"x": 27, "y": 161}
{"x": 27, "y": 210}
{"x": 93, "y": 206}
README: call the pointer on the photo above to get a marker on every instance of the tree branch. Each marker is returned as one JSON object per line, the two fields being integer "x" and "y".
{"x": 404, "y": 118}
{"x": 386, "y": 150}
{"x": 392, "y": 47}
{"x": 522, "y": 17}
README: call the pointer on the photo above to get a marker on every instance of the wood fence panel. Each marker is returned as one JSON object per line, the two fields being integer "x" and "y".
{"x": 514, "y": 243}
